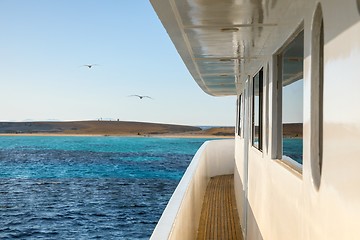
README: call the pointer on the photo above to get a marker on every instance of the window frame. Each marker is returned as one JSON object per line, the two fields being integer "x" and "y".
{"x": 239, "y": 115}
{"x": 277, "y": 139}
{"x": 260, "y": 76}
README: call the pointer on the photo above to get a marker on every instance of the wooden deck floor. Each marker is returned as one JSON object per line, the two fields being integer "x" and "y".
{"x": 219, "y": 217}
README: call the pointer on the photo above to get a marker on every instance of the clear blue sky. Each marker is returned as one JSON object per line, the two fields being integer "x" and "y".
{"x": 44, "y": 44}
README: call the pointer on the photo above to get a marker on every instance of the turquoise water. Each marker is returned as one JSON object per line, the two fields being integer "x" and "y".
{"x": 88, "y": 187}
{"x": 293, "y": 148}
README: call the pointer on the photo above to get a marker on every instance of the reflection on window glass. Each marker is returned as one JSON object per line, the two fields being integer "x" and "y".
{"x": 292, "y": 112}
{"x": 257, "y": 110}
{"x": 292, "y": 99}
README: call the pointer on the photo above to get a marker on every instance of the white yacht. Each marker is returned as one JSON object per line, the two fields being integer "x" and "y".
{"x": 281, "y": 58}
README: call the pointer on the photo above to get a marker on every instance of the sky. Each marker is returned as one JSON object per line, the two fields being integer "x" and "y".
{"x": 44, "y": 45}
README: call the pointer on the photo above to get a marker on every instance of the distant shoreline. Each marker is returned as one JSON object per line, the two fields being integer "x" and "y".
{"x": 112, "y": 128}
{"x": 127, "y": 129}
{"x": 102, "y": 135}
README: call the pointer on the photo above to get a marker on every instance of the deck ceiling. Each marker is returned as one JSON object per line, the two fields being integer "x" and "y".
{"x": 221, "y": 41}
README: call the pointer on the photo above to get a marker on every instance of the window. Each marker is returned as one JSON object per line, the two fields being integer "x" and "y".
{"x": 257, "y": 109}
{"x": 317, "y": 83}
{"x": 239, "y": 115}
{"x": 291, "y": 80}
{"x": 266, "y": 84}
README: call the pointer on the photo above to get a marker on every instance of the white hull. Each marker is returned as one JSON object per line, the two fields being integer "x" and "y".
{"x": 278, "y": 200}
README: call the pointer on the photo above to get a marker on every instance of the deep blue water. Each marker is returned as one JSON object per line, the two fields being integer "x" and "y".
{"x": 293, "y": 148}
{"x": 88, "y": 187}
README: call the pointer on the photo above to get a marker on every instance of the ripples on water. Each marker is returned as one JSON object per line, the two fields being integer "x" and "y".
{"x": 88, "y": 187}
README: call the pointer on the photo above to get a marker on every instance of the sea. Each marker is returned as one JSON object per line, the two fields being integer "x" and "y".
{"x": 293, "y": 148}
{"x": 89, "y": 187}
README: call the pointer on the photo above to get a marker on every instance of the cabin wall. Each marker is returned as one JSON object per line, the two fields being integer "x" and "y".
{"x": 333, "y": 211}
{"x": 274, "y": 200}
{"x": 274, "y": 194}
{"x": 240, "y": 180}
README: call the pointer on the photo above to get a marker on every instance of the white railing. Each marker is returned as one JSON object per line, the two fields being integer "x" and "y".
{"x": 181, "y": 216}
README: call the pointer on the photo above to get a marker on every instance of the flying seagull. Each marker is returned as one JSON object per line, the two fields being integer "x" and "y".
{"x": 90, "y": 65}
{"x": 140, "y": 96}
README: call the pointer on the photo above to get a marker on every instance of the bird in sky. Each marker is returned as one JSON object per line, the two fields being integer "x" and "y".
{"x": 140, "y": 96}
{"x": 90, "y": 65}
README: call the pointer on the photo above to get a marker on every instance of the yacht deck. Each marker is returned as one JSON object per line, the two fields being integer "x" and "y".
{"x": 219, "y": 217}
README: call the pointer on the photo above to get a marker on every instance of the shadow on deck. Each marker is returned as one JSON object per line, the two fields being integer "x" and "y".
{"x": 219, "y": 217}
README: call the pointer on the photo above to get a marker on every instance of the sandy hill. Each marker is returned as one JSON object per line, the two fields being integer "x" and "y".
{"x": 94, "y": 127}
{"x": 293, "y": 130}
{"x": 122, "y": 128}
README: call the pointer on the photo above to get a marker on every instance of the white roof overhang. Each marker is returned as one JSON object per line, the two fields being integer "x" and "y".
{"x": 221, "y": 41}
